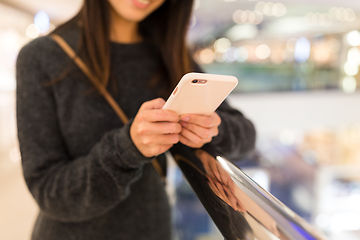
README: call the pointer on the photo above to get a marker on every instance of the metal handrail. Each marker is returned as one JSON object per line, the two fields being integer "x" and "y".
{"x": 239, "y": 207}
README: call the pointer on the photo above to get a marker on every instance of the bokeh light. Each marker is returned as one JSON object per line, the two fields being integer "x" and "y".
{"x": 354, "y": 56}
{"x": 302, "y": 50}
{"x": 231, "y": 54}
{"x": 33, "y": 31}
{"x": 353, "y": 38}
{"x": 42, "y": 21}
{"x": 321, "y": 54}
{"x": 206, "y": 56}
{"x": 351, "y": 69}
{"x": 349, "y": 84}
{"x": 192, "y": 21}
{"x": 333, "y": 45}
{"x": 263, "y": 51}
{"x": 271, "y": 9}
{"x": 222, "y": 45}
{"x": 242, "y": 54}
{"x": 290, "y": 44}
{"x": 241, "y": 32}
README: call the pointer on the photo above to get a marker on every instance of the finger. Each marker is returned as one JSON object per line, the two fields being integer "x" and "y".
{"x": 188, "y": 143}
{"x": 191, "y": 136}
{"x": 157, "y": 103}
{"x": 201, "y": 120}
{"x": 159, "y": 149}
{"x": 158, "y": 115}
{"x": 195, "y": 139}
{"x": 161, "y": 139}
{"x": 202, "y": 132}
{"x": 150, "y": 128}
{"x": 191, "y": 144}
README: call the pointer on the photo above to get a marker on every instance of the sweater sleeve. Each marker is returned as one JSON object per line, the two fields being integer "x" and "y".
{"x": 68, "y": 189}
{"x": 237, "y": 134}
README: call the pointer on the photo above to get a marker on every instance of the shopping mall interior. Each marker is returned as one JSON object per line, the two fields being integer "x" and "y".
{"x": 297, "y": 63}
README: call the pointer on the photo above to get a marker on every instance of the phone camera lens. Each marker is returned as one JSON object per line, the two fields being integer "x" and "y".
{"x": 194, "y": 81}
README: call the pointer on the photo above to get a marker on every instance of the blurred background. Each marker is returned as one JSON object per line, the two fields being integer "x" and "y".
{"x": 297, "y": 63}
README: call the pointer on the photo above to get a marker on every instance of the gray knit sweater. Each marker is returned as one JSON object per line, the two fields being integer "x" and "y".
{"x": 79, "y": 161}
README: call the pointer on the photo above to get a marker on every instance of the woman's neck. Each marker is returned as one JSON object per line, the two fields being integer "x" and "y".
{"x": 123, "y": 31}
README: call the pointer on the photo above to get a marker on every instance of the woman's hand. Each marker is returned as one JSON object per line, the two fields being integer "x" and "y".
{"x": 155, "y": 130}
{"x": 198, "y": 130}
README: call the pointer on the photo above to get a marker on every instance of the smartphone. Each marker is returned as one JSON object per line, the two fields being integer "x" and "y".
{"x": 200, "y": 93}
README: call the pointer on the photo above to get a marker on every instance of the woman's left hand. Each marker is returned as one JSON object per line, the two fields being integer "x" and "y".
{"x": 198, "y": 130}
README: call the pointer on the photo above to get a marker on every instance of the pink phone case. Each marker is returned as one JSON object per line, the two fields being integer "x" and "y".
{"x": 202, "y": 96}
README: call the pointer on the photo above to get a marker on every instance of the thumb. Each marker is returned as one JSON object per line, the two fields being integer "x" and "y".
{"x": 157, "y": 103}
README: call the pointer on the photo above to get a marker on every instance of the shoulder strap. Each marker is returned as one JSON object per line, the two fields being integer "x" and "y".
{"x": 102, "y": 89}
{"x": 80, "y": 63}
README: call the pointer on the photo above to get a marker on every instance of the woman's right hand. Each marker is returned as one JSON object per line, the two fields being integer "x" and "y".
{"x": 155, "y": 130}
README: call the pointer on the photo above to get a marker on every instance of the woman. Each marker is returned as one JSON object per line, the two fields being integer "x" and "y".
{"x": 88, "y": 172}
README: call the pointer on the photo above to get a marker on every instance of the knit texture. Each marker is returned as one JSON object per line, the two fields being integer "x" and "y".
{"x": 79, "y": 161}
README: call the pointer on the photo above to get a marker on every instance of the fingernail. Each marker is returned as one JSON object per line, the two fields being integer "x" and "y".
{"x": 185, "y": 118}
{"x": 183, "y": 124}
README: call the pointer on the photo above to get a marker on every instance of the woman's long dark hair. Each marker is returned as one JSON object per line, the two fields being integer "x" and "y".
{"x": 165, "y": 28}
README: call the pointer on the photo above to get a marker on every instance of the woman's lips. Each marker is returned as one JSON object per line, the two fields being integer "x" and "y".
{"x": 141, "y": 3}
